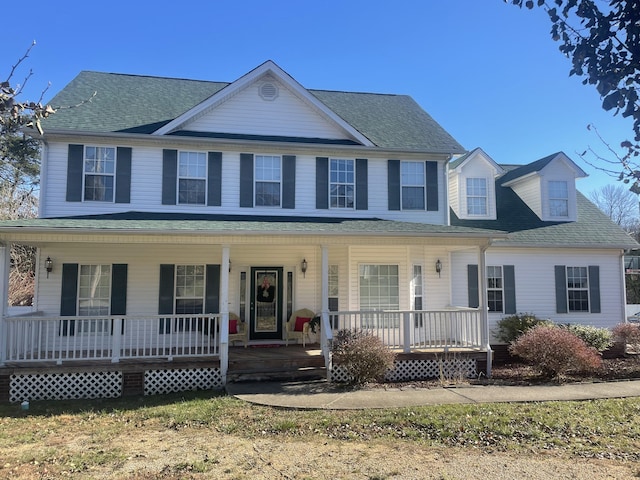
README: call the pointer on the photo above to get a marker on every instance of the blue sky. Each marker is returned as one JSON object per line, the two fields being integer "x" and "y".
{"x": 488, "y": 72}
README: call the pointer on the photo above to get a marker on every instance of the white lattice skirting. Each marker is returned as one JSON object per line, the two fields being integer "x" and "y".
{"x": 454, "y": 368}
{"x": 65, "y": 386}
{"x": 157, "y": 382}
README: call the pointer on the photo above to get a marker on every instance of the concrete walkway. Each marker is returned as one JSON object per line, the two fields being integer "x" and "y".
{"x": 322, "y": 395}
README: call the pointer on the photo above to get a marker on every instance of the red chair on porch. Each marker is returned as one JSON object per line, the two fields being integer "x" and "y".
{"x": 298, "y": 325}
{"x": 237, "y": 330}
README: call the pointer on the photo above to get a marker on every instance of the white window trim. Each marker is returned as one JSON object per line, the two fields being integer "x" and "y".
{"x": 468, "y": 196}
{"x": 550, "y": 199}
{"x": 255, "y": 180}
{"x": 582, "y": 289}
{"x": 423, "y": 186}
{"x": 353, "y": 162}
{"x": 85, "y": 173}
{"x": 180, "y": 177}
{"x": 494, "y": 289}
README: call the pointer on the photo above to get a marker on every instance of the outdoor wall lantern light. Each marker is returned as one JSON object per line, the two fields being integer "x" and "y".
{"x": 438, "y": 267}
{"x": 303, "y": 267}
{"x": 48, "y": 265}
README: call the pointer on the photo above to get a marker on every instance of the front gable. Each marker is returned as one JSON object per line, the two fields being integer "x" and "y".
{"x": 548, "y": 187}
{"x": 472, "y": 185}
{"x": 266, "y": 102}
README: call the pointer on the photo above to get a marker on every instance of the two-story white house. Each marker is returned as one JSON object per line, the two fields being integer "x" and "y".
{"x": 179, "y": 217}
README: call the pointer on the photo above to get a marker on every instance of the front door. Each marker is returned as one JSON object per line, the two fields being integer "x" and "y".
{"x": 266, "y": 303}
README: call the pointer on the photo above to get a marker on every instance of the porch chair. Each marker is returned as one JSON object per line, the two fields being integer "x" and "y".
{"x": 298, "y": 325}
{"x": 239, "y": 330}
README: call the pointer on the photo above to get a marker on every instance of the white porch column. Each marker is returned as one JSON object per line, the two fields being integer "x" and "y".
{"x": 5, "y": 262}
{"x": 224, "y": 313}
{"x": 325, "y": 330}
{"x": 484, "y": 312}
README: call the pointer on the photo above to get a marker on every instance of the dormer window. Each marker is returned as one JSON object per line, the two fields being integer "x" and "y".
{"x": 476, "y": 196}
{"x": 558, "y": 199}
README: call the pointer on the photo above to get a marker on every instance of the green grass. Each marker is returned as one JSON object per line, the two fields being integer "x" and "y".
{"x": 598, "y": 428}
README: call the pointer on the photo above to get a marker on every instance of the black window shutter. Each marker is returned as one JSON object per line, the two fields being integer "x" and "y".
{"x": 393, "y": 174}
{"x": 594, "y": 289}
{"x": 74, "y": 173}
{"x": 473, "y": 288}
{"x": 322, "y": 182}
{"x": 289, "y": 181}
{"x": 432, "y": 186}
{"x": 169, "y": 176}
{"x": 561, "y": 289}
{"x": 214, "y": 179}
{"x": 165, "y": 297}
{"x": 509, "y": 287}
{"x": 212, "y": 289}
{"x": 246, "y": 180}
{"x": 123, "y": 175}
{"x": 69, "y": 297}
{"x": 119, "y": 289}
{"x": 362, "y": 184}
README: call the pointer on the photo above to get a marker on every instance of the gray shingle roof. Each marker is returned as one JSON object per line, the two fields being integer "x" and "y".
{"x": 144, "y": 222}
{"x": 141, "y": 104}
{"x": 592, "y": 228}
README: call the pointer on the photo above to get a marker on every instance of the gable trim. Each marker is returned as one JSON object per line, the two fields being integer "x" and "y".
{"x": 268, "y": 67}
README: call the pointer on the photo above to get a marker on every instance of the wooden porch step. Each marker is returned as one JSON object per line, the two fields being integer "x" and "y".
{"x": 300, "y": 374}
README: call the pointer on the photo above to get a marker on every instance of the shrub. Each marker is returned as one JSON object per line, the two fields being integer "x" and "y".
{"x": 511, "y": 327}
{"x": 628, "y": 333}
{"x": 598, "y": 338}
{"x": 362, "y": 354}
{"x": 556, "y": 351}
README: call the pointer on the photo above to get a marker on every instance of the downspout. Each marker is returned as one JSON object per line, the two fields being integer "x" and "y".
{"x": 447, "y": 212}
{"x": 5, "y": 262}
{"x": 44, "y": 162}
{"x": 624, "y": 287}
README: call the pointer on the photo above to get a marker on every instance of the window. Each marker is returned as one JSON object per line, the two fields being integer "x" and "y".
{"x": 412, "y": 177}
{"x": 341, "y": 183}
{"x": 578, "y": 289}
{"x": 379, "y": 291}
{"x": 333, "y": 288}
{"x": 94, "y": 298}
{"x": 192, "y": 178}
{"x": 189, "y": 295}
{"x": 558, "y": 199}
{"x": 476, "y": 196}
{"x": 99, "y": 173}
{"x": 495, "y": 289}
{"x": 416, "y": 289}
{"x": 267, "y": 175}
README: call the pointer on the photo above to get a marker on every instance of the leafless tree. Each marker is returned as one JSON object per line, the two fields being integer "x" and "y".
{"x": 618, "y": 203}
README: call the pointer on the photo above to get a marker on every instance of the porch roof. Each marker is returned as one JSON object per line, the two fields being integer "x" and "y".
{"x": 179, "y": 223}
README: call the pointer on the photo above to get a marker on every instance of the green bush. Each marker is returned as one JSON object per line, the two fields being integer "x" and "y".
{"x": 511, "y": 327}
{"x": 362, "y": 354}
{"x": 556, "y": 351}
{"x": 598, "y": 338}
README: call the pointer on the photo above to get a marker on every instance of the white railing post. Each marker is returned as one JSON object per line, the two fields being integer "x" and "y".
{"x": 406, "y": 323}
{"x": 5, "y": 262}
{"x": 116, "y": 340}
{"x": 326, "y": 334}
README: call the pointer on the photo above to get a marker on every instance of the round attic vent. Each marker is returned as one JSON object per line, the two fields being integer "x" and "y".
{"x": 268, "y": 91}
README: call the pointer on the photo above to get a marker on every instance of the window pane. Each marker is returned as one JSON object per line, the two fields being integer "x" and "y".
{"x": 267, "y": 194}
{"x": 413, "y": 198}
{"x": 342, "y": 186}
{"x": 94, "y": 290}
{"x": 379, "y": 290}
{"x": 476, "y": 196}
{"x": 558, "y": 199}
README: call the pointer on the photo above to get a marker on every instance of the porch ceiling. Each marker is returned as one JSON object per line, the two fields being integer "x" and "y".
{"x": 135, "y": 227}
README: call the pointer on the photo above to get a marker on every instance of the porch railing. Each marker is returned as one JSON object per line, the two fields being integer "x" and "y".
{"x": 37, "y": 339}
{"x": 416, "y": 330}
